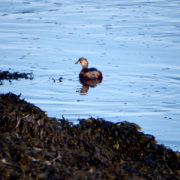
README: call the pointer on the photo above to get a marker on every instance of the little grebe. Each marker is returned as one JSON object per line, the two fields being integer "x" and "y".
{"x": 87, "y": 74}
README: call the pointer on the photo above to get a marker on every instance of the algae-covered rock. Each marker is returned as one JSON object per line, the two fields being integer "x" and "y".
{"x": 34, "y": 146}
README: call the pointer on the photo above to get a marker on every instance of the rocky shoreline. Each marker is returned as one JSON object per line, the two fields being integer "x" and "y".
{"x": 34, "y": 146}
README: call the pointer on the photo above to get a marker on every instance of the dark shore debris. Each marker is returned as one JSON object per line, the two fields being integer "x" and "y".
{"x": 59, "y": 80}
{"x": 34, "y": 146}
{"x": 6, "y": 75}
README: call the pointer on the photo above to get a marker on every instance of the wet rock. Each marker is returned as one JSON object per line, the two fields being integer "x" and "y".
{"x": 34, "y": 146}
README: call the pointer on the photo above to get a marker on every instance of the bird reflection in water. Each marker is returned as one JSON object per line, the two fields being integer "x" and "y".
{"x": 89, "y": 77}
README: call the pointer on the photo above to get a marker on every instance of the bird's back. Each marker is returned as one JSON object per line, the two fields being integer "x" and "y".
{"x": 90, "y": 74}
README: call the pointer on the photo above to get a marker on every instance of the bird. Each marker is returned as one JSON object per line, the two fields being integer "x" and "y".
{"x": 88, "y": 74}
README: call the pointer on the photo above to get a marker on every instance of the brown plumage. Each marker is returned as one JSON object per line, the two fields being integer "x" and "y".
{"x": 88, "y": 74}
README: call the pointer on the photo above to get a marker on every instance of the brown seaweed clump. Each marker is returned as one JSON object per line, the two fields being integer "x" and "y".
{"x": 34, "y": 146}
{"x": 6, "y": 75}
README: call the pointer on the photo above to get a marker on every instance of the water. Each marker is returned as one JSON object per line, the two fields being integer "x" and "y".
{"x": 135, "y": 43}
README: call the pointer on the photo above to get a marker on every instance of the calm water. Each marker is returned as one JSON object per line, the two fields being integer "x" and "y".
{"x": 135, "y": 43}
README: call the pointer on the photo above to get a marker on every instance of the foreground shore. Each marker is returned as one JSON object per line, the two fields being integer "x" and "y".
{"x": 34, "y": 146}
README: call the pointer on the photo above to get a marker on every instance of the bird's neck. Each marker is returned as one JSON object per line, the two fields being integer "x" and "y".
{"x": 84, "y": 66}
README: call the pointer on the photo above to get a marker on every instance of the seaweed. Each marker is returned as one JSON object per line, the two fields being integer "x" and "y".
{"x": 6, "y": 75}
{"x": 34, "y": 146}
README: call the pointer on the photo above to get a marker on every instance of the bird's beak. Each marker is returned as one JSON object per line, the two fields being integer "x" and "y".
{"x": 77, "y": 62}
